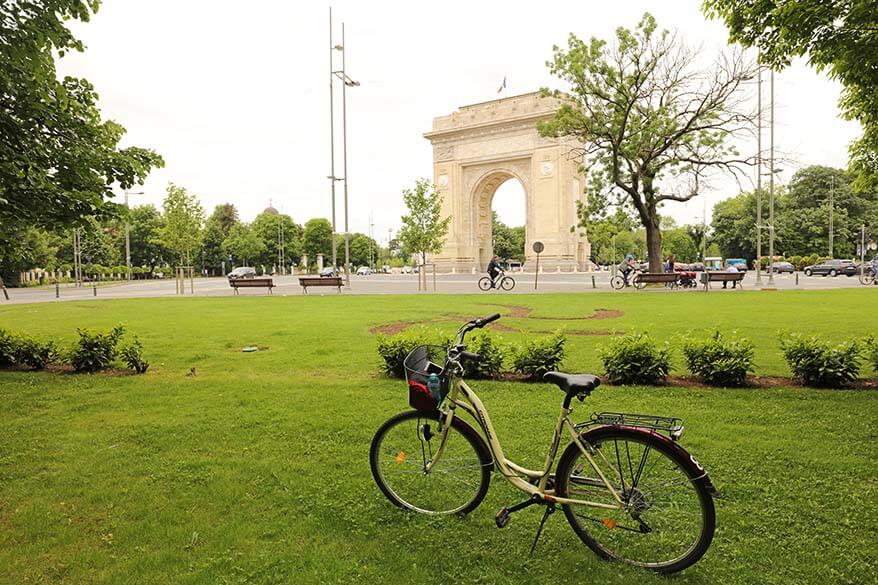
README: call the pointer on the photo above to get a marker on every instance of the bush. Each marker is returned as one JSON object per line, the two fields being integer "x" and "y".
{"x": 491, "y": 350}
{"x": 95, "y": 351}
{"x": 133, "y": 356}
{"x": 719, "y": 362}
{"x": 36, "y": 354}
{"x": 8, "y": 348}
{"x": 538, "y": 356}
{"x": 635, "y": 359}
{"x": 394, "y": 348}
{"x": 814, "y": 363}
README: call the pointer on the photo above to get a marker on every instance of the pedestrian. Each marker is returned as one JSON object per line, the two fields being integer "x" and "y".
{"x": 669, "y": 268}
{"x": 731, "y": 269}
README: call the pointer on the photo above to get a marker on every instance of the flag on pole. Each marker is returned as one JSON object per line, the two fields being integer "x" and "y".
{"x": 502, "y": 85}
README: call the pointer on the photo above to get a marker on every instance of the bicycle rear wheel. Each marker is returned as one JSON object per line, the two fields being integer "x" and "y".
{"x": 507, "y": 283}
{"x": 638, "y": 283}
{"x": 485, "y": 283}
{"x": 668, "y": 519}
{"x": 404, "y": 445}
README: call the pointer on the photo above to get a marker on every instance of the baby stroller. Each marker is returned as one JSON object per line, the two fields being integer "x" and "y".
{"x": 686, "y": 279}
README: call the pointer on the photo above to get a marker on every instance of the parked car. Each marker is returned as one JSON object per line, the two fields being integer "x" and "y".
{"x": 242, "y": 272}
{"x": 364, "y": 271}
{"x": 832, "y": 268}
{"x": 739, "y": 263}
{"x": 781, "y": 267}
{"x": 407, "y": 270}
{"x": 698, "y": 267}
{"x": 329, "y": 272}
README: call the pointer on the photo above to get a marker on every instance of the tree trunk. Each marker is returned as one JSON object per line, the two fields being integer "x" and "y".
{"x": 654, "y": 241}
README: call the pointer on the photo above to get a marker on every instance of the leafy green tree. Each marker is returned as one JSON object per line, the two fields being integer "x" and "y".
{"x": 58, "y": 160}
{"x": 652, "y": 126}
{"x": 145, "y": 221}
{"x": 182, "y": 220}
{"x": 423, "y": 232}
{"x": 102, "y": 244}
{"x": 360, "y": 246}
{"x": 216, "y": 229}
{"x": 243, "y": 244}
{"x": 508, "y": 241}
{"x": 268, "y": 227}
{"x": 678, "y": 242}
{"x": 317, "y": 239}
{"x": 837, "y": 36}
{"x": 734, "y": 226}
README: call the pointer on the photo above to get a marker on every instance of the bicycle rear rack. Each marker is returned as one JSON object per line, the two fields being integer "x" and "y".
{"x": 673, "y": 426}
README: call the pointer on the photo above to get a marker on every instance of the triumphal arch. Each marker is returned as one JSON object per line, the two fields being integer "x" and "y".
{"x": 478, "y": 148}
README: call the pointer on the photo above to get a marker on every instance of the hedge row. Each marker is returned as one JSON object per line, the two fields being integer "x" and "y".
{"x": 93, "y": 351}
{"x": 532, "y": 358}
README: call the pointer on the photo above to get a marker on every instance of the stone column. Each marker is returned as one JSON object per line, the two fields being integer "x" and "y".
{"x": 319, "y": 262}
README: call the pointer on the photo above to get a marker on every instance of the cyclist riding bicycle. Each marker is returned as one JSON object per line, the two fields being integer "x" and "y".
{"x": 627, "y": 267}
{"x": 494, "y": 270}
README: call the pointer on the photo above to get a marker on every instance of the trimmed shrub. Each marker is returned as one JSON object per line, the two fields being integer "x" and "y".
{"x": 133, "y": 356}
{"x": 8, "y": 348}
{"x": 815, "y": 363}
{"x": 492, "y": 352}
{"x": 95, "y": 351}
{"x": 538, "y": 356}
{"x": 718, "y": 361}
{"x": 873, "y": 353}
{"x": 393, "y": 349}
{"x": 36, "y": 354}
{"x": 635, "y": 359}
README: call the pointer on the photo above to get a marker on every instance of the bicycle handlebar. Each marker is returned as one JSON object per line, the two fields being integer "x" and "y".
{"x": 475, "y": 324}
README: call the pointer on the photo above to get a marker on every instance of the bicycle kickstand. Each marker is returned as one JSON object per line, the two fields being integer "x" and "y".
{"x": 550, "y": 509}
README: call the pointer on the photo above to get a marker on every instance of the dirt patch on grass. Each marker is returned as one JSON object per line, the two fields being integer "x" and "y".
{"x": 392, "y": 328}
{"x": 66, "y": 369}
{"x": 761, "y": 382}
{"x": 606, "y": 314}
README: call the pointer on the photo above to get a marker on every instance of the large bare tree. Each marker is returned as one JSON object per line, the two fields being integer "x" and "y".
{"x": 654, "y": 127}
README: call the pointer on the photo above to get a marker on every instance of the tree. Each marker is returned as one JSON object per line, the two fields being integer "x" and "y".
{"x": 838, "y": 36}
{"x": 145, "y": 221}
{"x": 216, "y": 229}
{"x": 677, "y": 242}
{"x": 268, "y": 226}
{"x": 182, "y": 219}
{"x": 58, "y": 160}
{"x": 651, "y": 126}
{"x": 317, "y": 239}
{"x": 734, "y": 226}
{"x": 508, "y": 242}
{"x": 423, "y": 232}
{"x": 243, "y": 244}
{"x": 363, "y": 249}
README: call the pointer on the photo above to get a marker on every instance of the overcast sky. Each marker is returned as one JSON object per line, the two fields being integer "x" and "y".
{"x": 235, "y": 96}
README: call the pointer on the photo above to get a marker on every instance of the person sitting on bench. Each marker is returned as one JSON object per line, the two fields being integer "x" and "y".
{"x": 731, "y": 268}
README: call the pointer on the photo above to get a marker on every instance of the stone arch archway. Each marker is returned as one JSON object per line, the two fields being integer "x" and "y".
{"x": 481, "y": 146}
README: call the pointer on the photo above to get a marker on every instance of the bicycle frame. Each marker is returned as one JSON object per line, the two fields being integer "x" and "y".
{"x": 513, "y": 472}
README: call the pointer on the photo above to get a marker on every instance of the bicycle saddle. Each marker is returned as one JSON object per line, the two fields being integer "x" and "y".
{"x": 573, "y": 383}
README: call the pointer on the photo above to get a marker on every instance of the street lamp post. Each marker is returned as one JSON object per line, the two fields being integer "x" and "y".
{"x": 771, "y": 191}
{"x": 346, "y": 82}
{"x": 759, "y": 178}
{"x": 128, "y": 232}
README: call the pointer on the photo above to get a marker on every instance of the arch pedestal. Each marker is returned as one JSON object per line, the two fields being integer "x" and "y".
{"x": 481, "y": 146}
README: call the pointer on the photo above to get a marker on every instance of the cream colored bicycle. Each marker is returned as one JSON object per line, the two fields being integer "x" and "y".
{"x": 627, "y": 487}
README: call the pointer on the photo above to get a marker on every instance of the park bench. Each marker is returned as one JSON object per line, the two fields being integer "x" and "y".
{"x": 237, "y": 283}
{"x": 307, "y": 281}
{"x": 710, "y": 276}
{"x": 645, "y": 278}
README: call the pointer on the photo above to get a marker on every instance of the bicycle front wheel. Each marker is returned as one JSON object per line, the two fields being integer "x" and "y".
{"x": 405, "y": 444}
{"x": 617, "y": 282}
{"x": 867, "y": 277}
{"x": 667, "y": 519}
{"x": 485, "y": 283}
{"x": 507, "y": 283}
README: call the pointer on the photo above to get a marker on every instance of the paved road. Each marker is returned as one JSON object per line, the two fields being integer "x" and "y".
{"x": 399, "y": 284}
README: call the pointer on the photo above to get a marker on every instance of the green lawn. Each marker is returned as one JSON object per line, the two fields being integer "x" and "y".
{"x": 255, "y": 470}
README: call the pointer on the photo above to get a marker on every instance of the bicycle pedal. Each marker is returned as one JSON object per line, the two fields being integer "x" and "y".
{"x": 502, "y": 518}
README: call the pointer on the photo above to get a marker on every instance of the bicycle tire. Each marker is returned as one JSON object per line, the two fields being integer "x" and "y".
{"x": 395, "y": 466}
{"x": 617, "y": 283}
{"x": 867, "y": 277}
{"x": 485, "y": 283}
{"x": 638, "y": 283}
{"x": 508, "y": 283}
{"x": 611, "y": 533}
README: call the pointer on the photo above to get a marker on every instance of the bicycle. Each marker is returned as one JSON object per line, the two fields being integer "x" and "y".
{"x": 619, "y": 282}
{"x": 867, "y": 275}
{"x": 626, "y": 486}
{"x": 502, "y": 281}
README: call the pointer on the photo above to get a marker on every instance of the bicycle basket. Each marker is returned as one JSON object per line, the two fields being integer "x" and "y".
{"x": 419, "y": 364}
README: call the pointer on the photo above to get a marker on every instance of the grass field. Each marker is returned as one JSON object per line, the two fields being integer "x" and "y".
{"x": 255, "y": 469}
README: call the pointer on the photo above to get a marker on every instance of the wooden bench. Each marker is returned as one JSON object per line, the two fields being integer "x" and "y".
{"x": 641, "y": 280}
{"x": 713, "y": 276}
{"x": 237, "y": 283}
{"x": 307, "y": 281}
